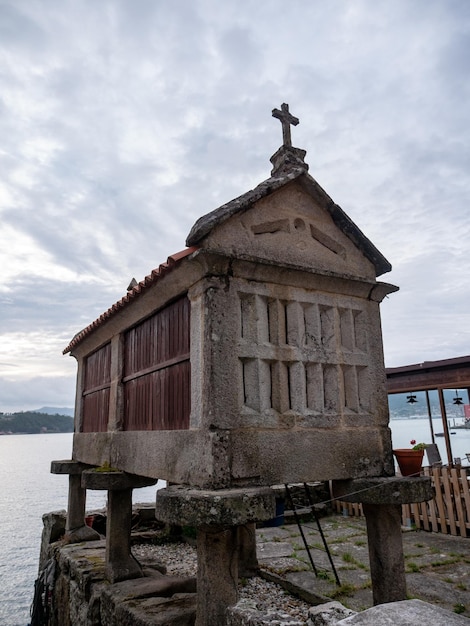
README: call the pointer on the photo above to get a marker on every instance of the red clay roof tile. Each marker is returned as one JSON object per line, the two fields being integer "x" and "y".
{"x": 147, "y": 282}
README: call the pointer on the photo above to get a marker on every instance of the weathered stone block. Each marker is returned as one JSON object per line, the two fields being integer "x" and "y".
{"x": 328, "y": 614}
{"x": 53, "y": 529}
{"x": 405, "y": 613}
{"x": 178, "y": 610}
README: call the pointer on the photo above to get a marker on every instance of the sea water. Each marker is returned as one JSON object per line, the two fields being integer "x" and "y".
{"x": 405, "y": 430}
{"x": 28, "y": 489}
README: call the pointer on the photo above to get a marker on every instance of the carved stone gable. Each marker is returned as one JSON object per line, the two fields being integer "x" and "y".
{"x": 288, "y": 227}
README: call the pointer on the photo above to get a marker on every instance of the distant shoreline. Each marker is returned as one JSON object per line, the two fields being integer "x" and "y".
{"x": 47, "y": 432}
{"x": 35, "y": 423}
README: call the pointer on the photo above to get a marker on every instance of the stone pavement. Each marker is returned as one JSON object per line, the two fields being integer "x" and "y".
{"x": 437, "y": 565}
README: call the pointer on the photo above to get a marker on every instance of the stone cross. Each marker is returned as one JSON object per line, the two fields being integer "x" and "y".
{"x": 286, "y": 120}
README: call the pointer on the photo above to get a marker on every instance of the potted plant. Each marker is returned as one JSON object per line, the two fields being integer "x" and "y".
{"x": 410, "y": 459}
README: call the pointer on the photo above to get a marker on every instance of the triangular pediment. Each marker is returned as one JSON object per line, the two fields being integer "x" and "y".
{"x": 290, "y": 221}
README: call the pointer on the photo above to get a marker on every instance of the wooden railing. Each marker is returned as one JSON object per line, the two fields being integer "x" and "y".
{"x": 448, "y": 512}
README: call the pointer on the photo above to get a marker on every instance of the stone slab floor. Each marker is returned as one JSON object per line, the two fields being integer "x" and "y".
{"x": 437, "y": 565}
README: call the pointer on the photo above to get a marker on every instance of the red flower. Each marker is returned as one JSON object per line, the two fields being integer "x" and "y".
{"x": 413, "y": 441}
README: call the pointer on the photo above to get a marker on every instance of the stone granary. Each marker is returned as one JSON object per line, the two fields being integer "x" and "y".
{"x": 252, "y": 358}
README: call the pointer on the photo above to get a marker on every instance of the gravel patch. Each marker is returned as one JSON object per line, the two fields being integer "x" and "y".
{"x": 271, "y": 598}
{"x": 180, "y": 560}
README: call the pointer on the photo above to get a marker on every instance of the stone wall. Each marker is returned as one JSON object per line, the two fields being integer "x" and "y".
{"x": 78, "y": 593}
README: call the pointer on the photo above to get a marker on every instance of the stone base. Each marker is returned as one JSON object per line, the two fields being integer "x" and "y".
{"x": 286, "y": 158}
{"x": 124, "y": 568}
{"x": 83, "y": 533}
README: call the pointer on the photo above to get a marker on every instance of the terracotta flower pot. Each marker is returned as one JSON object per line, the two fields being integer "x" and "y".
{"x": 409, "y": 461}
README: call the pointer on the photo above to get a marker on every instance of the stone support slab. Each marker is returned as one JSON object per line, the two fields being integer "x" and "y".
{"x": 384, "y": 490}
{"x": 100, "y": 480}
{"x": 222, "y": 507}
{"x": 68, "y": 467}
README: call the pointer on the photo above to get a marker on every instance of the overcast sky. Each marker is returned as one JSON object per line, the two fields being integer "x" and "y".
{"x": 123, "y": 121}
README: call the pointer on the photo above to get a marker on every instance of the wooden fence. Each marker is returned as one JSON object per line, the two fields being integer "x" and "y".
{"x": 448, "y": 512}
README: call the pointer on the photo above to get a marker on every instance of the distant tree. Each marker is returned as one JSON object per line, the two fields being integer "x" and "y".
{"x": 28, "y": 422}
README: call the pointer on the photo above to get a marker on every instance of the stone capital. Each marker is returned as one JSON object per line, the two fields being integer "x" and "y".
{"x": 384, "y": 490}
{"x": 218, "y": 508}
{"x": 68, "y": 467}
{"x": 114, "y": 481}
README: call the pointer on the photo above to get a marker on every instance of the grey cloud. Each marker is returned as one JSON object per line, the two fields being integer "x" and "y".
{"x": 239, "y": 50}
{"x": 159, "y": 112}
{"x": 18, "y": 29}
{"x": 40, "y": 391}
{"x": 38, "y": 304}
{"x": 453, "y": 62}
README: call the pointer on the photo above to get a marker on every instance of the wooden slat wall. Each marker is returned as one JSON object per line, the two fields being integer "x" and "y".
{"x": 95, "y": 412}
{"x": 159, "y": 400}
{"x": 448, "y": 512}
{"x": 352, "y": 509}
{"x": 96, "y": 391}
{"x": 157, "y": 370}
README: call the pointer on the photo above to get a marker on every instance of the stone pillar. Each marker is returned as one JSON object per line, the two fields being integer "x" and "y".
{"x": 218, "y": 516}
{"x": 76, "y": 503}
{"x": 217, "y": 565}
{"x": 247, "y": 559}
{"x": 381, "y": 500}
{"x": 120, "y": 564}
{"x": 75, "y": 528}
{"x": 387, "y": 563}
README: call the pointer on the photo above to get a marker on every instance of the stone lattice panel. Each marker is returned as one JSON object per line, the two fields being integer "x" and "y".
{"x": 302, "y": 358}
